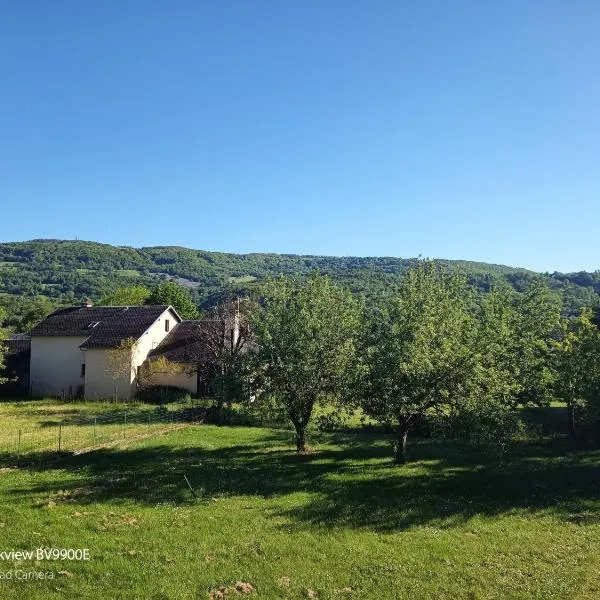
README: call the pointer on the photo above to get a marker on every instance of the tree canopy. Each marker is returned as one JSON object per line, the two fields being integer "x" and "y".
{"x": 176, "y": 296}
{"x": 416, "y": 353}
{"x": 305, "y": 332}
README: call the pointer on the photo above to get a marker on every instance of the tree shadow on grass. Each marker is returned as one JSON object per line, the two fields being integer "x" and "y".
{"x": 351, "y": 485}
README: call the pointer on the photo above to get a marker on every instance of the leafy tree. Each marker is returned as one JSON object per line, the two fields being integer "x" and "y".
{"x": 21, "y": 313}
{"x": 173, "y": 294}
{"x": 416, "y": 355}
{"x": 577, "y": 363}
{"x": 511, "y": 346}
{"x": 3, "y": 334}
{"x": 132, "y": 295}
{"x": 305, "y": 335}
{"x": 226, "y": 335}
{"x": 538, "y": 318}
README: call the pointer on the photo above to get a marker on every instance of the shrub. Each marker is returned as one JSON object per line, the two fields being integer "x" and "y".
{"x": 163, "y": 394}
{"x": 488, "y": 427}
{"x": 330, "y": 421}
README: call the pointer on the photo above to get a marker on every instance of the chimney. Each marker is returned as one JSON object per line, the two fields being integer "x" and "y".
{"x": 87, "y": 303}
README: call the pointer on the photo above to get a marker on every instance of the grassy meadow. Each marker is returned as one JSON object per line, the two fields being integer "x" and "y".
{"x": 340, "y": 522}
{"x": 42, "y": 429}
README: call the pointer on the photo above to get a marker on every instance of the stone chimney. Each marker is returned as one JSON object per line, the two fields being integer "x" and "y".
{"x": 87, "y": 303}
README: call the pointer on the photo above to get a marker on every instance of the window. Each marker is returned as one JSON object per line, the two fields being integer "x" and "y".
{"x": 83, "y": 370}
{"x": 167, "y": 324}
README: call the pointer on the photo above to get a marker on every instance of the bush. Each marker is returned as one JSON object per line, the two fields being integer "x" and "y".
{"x": 488, "y": 427}
{"x": 329, "y": 421}
{"x": 163, "y": 394}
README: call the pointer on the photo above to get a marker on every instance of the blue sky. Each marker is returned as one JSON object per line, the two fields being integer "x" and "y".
{"x": 463, "y": 129}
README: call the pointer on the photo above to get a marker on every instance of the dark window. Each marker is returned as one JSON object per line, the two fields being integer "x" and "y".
{"x": 83, "y": 370}
{"x": 167, "y": 324}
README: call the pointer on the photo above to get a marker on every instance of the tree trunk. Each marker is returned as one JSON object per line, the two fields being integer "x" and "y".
{"x": 571, "y": 420}
{"x": 400, "y": 445}
{"x": 300, "y": 437}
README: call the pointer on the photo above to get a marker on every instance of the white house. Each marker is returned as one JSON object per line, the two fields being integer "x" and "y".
{"x": 75, "y": 351}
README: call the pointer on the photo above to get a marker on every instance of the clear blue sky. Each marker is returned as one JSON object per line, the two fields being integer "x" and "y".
{"x": 455, "y": 129}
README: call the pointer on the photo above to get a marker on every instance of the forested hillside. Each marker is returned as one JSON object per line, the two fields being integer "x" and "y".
{"x": 65, "y": 271}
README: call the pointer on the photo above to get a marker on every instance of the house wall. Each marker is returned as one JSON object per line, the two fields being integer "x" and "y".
{"x": 185, "y": 378}
{"x": 55, "y": 368}
{"x": 101, "y": 380}
{"x": 152, "y": 338}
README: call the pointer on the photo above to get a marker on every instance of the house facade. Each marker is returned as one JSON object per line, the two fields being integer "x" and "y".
{"x": 96, "y": 352}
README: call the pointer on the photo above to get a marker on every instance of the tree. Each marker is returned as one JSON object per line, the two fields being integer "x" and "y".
{"x": 538, "y": 318}
{"x": 226, "y": 333}
{"x": 176, "y": 296}
{"x": 305, "y": 333}
{"x": 21, "y": 313}
{"x": 577, "y": 363}
{"x": 131, "y": 295}
{"x": 3, "y": 334}
{"x": 416, "y": 355}
{"x": 510, "y": 362}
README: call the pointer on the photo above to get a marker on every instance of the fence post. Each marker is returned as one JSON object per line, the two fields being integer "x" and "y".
{"x": 18, "y": 446}
{"x": 59, "y": 436}
{"x": 95, "y": 419}
{"x": 124, "y": 424}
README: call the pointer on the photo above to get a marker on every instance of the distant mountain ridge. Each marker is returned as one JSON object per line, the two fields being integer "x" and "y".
{"x": 70, "y": 269}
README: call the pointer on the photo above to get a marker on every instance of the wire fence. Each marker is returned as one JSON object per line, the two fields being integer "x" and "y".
{"x": 81, "y": 434}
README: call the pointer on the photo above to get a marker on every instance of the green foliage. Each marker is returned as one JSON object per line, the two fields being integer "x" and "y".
{"x": 305, "y": 335}
{"x": 577, "y": 364}
{"x": 132, "y": 295}
{"x": 22, "y": 313}
{"x": 416, "y": 353}
{"x": 163, "y": 394}
{"x": 331, "y": 419}
{"x": 491, "y": 426}
{"x": 3, "y": 334}
{"x": 176, "y": 296}
{"x": 226, "y": 332}
{"x": 512, "y": 346}
{"x": 69, "y": 270}
{"x": 537, "y": 325}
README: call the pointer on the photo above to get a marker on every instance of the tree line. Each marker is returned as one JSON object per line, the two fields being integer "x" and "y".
{"x": 66, "y": 270}
{"x": 429, "y": 347}
{"x": 432, "y": 347}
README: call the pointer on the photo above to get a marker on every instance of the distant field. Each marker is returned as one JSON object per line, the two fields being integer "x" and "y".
{"x": 338, "y": 523}
{"x": 128, "y": 272}
{"x": 242, "y": 279}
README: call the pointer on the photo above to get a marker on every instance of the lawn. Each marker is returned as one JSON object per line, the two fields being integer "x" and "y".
{"x": 337, "y": 523}
{"x": 32, "y": 428}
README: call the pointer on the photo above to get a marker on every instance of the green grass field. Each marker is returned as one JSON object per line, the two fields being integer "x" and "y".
{"x": 45, "y": 427}
{"x": 337, "y": 523}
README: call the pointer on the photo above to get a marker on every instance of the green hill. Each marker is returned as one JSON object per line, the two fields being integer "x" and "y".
{"x": 66, "y": 271}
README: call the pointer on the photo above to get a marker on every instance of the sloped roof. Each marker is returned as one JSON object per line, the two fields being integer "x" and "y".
{"x": 184, "y": 344}
{"x": 16, "y": 347}
{"x": 103, "y": 326}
